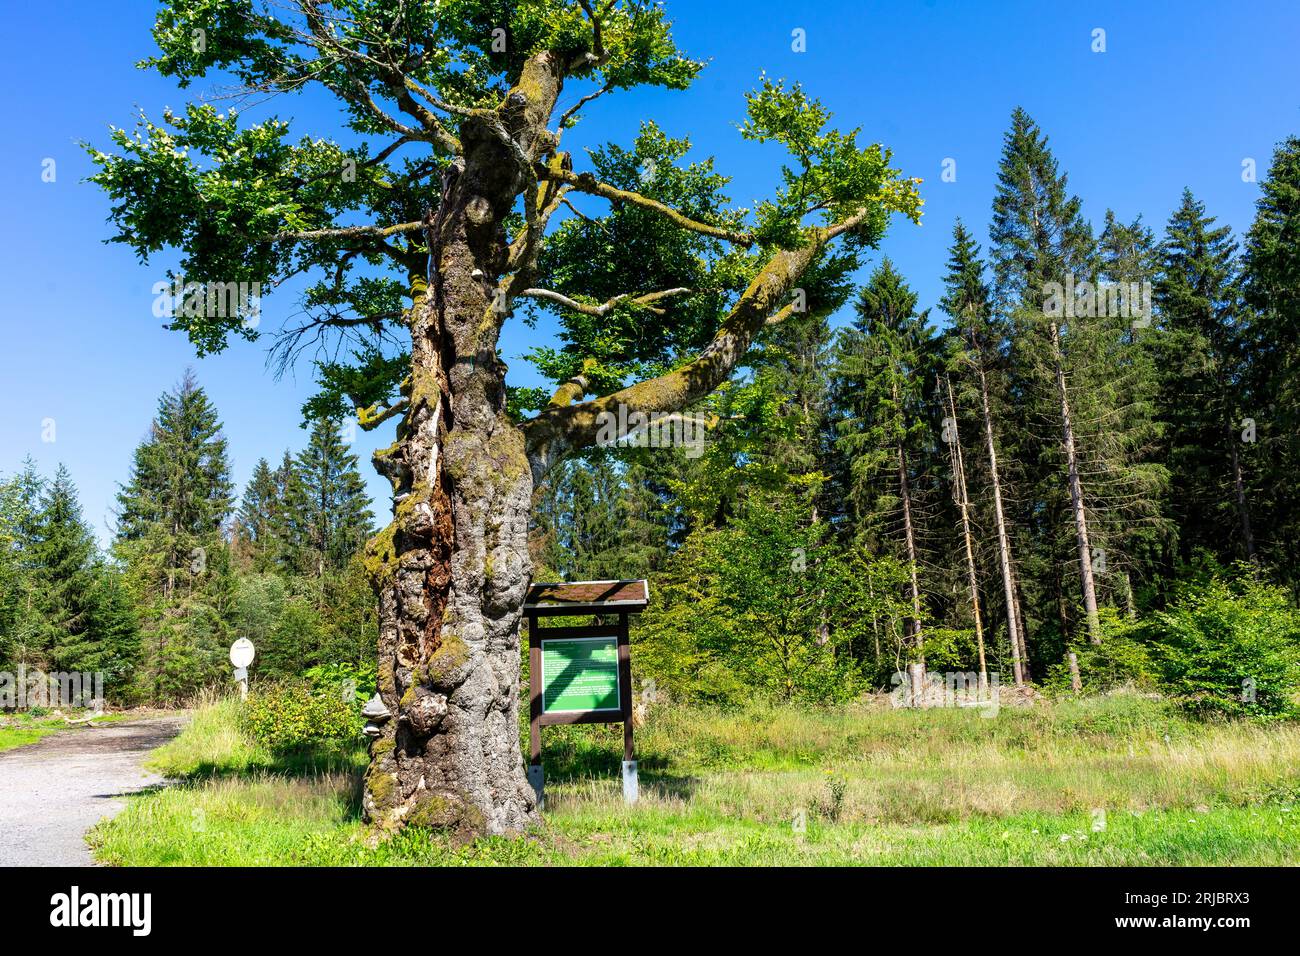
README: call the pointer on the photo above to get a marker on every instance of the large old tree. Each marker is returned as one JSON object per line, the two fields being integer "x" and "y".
{"x": 413, "y": 251}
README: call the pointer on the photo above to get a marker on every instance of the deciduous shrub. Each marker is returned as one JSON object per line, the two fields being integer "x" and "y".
{"x": 1228, "y": 646}
{"x": 359, "y": 680}
{"x": 1124, "y": 658}
{"x": 292, "y": 716}
{"x": 768, "y": 605}
{"x": 1232, "y": 648}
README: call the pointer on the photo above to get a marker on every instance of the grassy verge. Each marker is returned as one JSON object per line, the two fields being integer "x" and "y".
{"x": 1109, "y": 781}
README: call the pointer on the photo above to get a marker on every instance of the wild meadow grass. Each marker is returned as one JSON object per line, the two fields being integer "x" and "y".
{"x": 1116, "y": 780}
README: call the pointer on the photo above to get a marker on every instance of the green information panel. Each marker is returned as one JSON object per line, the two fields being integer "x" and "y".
{"x": 580, "y": 675}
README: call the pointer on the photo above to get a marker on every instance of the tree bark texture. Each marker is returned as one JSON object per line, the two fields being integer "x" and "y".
{"x": 453, "y": 568}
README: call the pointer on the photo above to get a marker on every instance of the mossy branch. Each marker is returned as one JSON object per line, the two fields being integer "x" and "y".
{"x": 563, "y": 428}
{"x": 371, "y": 416}
{"x": 587, "y": 183}
{"x": 647, "y": 299}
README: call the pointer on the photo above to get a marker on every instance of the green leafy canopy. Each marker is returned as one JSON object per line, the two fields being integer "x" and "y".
{"x": 253, "y": 203}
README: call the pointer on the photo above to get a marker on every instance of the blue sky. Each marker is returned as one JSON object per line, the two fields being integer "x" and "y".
{"x": 1183, "y": 93}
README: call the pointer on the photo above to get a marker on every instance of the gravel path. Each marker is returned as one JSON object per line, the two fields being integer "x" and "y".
{"x": 53, "y": 791}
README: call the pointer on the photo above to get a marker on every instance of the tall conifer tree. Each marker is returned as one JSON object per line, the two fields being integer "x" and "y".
{"x": 1271, "y": 393}
{"x": 1202, "y": 360}
{"x": 64, "y": 558}
{"x": 171, "y": 538}
{"x": 1041, "y": 244}
{"x": 977, "y": 347}
{"x": 326, "y": 509}
{"x": 174, "y": 506}
{"x": 884, "y": 369}
{"x": 259, "y": 524}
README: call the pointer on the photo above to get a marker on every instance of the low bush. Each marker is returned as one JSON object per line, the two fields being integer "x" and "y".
{"x": 358, "y": 680}
{"x": 1228, "y": 646}
{"x": 293, "y": 716}
{"x": 1122, "y": 659}
{"x": 1231, "y": 649}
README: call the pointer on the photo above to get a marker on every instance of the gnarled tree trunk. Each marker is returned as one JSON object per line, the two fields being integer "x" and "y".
{"x": 453, "y": 568}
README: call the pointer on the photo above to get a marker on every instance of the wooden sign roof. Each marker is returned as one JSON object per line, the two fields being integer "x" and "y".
{"x": 588, "y": 596}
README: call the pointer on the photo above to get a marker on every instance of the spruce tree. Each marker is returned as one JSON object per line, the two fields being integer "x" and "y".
{"x": 1201, "y": 356}
{"x": 171, "y": 541}
{"x": 114, "y": 624}
{"x": 20, "y": 620}
{"x": 174, "y": 506}
{"x": 259, "y": 527}
{"x": 1270, "y": 396}
{"x": 1121, "y": 431}
{"x": 647, "y": 514}
{"x": 884, "y": 369}
{"x": 326, "y": 510}
{"x": 1040, "y": 245}
{"x": 63, "y": 558}
{"x": 581, "y": 519}
{"x": 976, "y": 354}
{"x": 792, "y": 366}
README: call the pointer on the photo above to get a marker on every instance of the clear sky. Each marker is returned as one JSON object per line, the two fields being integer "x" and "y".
{"x": 1183, "y": 93}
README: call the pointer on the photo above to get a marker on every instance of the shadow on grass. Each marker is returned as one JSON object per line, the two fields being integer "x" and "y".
{"x": 575, "y": 760}
{"x": 141, "y": 792}
{"x": 571, "y": 758}
{"x": 580, "y": 758}
{"x": 308, "y": 763}
{"x": 311, "y": 760}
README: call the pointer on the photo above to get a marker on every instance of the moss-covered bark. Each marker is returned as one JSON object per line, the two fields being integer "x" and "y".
{"x": 452, "y": 569}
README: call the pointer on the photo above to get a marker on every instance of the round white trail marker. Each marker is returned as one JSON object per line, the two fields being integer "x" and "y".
{"x": 242, "y": 653}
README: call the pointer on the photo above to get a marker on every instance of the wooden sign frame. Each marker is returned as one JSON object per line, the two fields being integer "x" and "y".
{"x": 576, "y": 600}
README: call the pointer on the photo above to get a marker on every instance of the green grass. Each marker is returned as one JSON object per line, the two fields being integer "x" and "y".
{"x": 1120, "y": 780}
{"x": 11, "y": 737}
